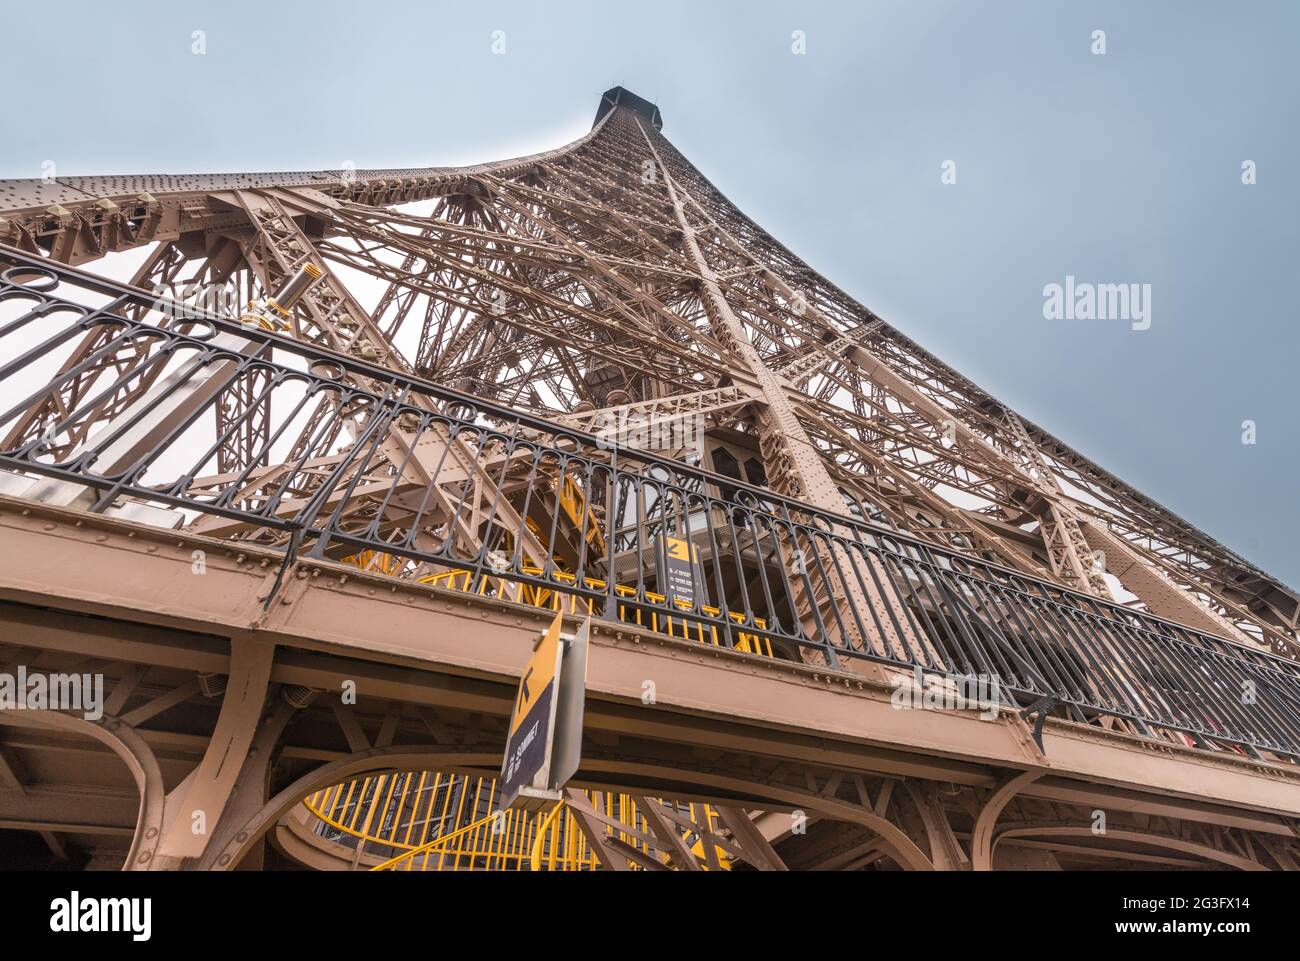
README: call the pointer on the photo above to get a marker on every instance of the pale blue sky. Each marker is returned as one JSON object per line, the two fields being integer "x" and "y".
{"x": 1116, "y": 168}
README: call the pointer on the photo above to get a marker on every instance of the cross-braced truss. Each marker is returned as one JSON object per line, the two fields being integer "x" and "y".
{"x": 609, "y": 277}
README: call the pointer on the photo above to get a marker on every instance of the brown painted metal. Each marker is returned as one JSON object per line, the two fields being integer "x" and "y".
{"x": 605, "y": 277}
{"x": 710, "y": 699}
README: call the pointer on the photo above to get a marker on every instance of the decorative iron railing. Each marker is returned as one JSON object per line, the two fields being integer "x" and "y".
{"x": 115, "y": 401}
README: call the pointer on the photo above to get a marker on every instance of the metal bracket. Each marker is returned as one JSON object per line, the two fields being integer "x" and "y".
{"x": 1040, "y": 709}
{"x": 290, "y": 555}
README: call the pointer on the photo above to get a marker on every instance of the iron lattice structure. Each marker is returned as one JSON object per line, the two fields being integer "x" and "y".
{"x": 613, "y": 266}
{"x": 424, "y": 381}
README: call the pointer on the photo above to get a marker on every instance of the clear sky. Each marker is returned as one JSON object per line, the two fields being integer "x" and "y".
{"x": 1117, "y": 168}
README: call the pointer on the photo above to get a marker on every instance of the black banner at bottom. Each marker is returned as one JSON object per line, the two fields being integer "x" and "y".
{"x": 334, "y": 910}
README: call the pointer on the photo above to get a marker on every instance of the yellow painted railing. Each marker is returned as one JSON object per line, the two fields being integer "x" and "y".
{"x": 437, "y": 822}
{"x": 555, "y": 599}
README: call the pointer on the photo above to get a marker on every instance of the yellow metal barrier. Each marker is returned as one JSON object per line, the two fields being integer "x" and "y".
{"x": 429, "y": 821}
{"x": 404, "y": 860}
{"x": 437, "y": 822}
{"x": 555, "y": 599}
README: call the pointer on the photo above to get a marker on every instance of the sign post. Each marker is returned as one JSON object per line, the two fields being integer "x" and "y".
{"x": 544, "y": 740}
{"x": 681, "y": 568}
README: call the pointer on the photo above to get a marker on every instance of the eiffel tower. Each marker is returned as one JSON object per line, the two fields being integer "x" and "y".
{"x": 303, "y": 490}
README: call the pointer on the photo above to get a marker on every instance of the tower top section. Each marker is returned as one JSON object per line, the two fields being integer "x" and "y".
{"x": 622, "y": 97}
